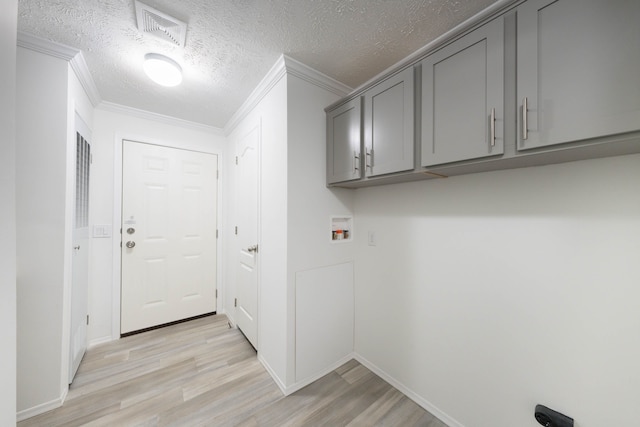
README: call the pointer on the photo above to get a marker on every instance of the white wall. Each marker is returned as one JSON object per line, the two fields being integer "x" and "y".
{"x": 310, "y": 205}
{"x": 41, "y": 182}
{"x": 50, "y": 94}
{"x": 109, "y": 128}
{"x": 487, "y": 294}
{"x": 271, "y": 115}
{"x": 295, "y": 209}
{"x": 8, "y": 28}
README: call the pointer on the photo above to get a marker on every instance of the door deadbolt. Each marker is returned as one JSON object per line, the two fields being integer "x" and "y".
{"x": 131, "y": 230}
{"x": 130, "y": 244}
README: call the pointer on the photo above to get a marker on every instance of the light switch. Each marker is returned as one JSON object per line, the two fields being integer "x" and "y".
{"x": 101, "y": 230}
{"x": 372, "y": 238}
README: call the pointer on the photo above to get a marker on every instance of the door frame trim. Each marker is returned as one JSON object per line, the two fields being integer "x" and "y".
{"x": 117, "y": 217}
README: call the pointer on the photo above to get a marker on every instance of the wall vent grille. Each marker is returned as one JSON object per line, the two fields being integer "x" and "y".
{"x": 159, "y": 24}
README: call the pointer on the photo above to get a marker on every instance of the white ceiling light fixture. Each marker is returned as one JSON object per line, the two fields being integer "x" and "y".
{"x": 162, "y": 70}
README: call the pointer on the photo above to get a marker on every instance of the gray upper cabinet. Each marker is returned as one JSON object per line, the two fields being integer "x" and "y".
{"x": 389, "y": 125}
{"x": 539, "y": 82}
{"x": 578, "y": 65}
{"x": 344, "y": 141}
{"x": 462, "y": 98}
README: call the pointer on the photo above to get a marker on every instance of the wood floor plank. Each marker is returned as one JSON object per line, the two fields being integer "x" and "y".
{"x": 346, "y": 406}
{"x": 292, "y": 410}
{"x": 202, "y": 373}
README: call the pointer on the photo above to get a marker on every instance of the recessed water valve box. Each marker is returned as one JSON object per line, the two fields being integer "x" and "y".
{"x": 341, "y": 228}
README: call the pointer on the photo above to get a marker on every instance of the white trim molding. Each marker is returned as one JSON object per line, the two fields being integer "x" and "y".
{"x": 272, "y": 373}
{"x": 284, "y": 65}
{"x": 266, "y": 84}
{"x": 43, "y": 407}
{"x": 431, "y": 408}
{"x": 459, "y": 30}
{"x": 161, "y": 118}
{"x": 48, "y": 47}
{"x": 298, "y": 385}
{"x": 99, "y": 341}
{"x": 67, "y": 53}
{"x": 79, "y": 66}
{"x": 308, "y": 74}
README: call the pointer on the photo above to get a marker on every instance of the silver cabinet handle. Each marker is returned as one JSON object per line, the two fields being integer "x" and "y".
{"x": 356, "y": 161}
{"x": 77, "y": 248}
{"x": 525, "y": 125}
{"x": 253, "y": 248}
{"x": 369, "y": 158}
{"x": 493, "y": 127}
{"x": 130, "y": 244}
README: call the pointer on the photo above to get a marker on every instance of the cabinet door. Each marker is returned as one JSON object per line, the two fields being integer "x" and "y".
{"x": 344, "y": 138}
{"x": 388, "y": 124}
{"x": 462, "y": 98}
{"x": 578, "y": 70}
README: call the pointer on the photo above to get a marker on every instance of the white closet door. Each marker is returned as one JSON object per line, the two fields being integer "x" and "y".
{"x": 247, "y": 269}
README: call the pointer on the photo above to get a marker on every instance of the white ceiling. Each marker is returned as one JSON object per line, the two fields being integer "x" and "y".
{"x": 231, "y": 44}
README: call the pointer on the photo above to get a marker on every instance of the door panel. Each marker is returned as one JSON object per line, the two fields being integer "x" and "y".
{"x": 578, "y": 67}
{"x": 388, "y": 125}
{"x": 462, "y": 98}
{"x": 344, "y": 138}
{"x": 247, "y": 238}
{"x": 169, "y": 215}
{"x": 80, "y": 251}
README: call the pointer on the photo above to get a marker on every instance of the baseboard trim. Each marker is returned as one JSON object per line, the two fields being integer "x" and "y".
{"x": 40, "y": 409}
{"x": 287, "y": 390}
{"x": 98, "y": 341}
{"x": 305, "y": 382}
{"x": 271, "y": 372}
{"x": 434, "y": 410}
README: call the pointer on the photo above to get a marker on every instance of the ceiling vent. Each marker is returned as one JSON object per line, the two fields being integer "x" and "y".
{"x": 152, "y": 21}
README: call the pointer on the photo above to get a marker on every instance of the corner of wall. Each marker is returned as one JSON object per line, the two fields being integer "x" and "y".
{"x": 8, "y": 28}
{"x": 43, "y": 252}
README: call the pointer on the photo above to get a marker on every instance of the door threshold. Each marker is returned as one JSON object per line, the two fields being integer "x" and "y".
{"x": 151, "y": 328}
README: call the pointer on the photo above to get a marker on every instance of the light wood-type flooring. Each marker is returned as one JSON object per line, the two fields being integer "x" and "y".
{"x": 202, "y": 373}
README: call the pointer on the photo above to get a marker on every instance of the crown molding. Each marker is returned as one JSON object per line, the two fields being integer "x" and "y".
{"x": 283, "y": 66}
{"x": 67, "y": 53}
{"x": 160, "y": 118}
{"x": 264, "y": 87}
{"x": 79, "y": 66}
{"x": 308, "y": 74}
{"x": 48, "y": 47}
{"x": 475, "y": 21}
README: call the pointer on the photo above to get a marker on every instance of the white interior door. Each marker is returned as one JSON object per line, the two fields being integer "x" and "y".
{"x": 169, "y": 209}
{"x": 247, "y": 235}
{"x": 80, "y": 256}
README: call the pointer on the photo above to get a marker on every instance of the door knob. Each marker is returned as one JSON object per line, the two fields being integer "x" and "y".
{"x": 130, "y": 244}
{"x": 131, "y": 230}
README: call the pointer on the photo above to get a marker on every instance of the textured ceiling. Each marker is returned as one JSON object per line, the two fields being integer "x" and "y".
{"x": 231, "y": 44}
